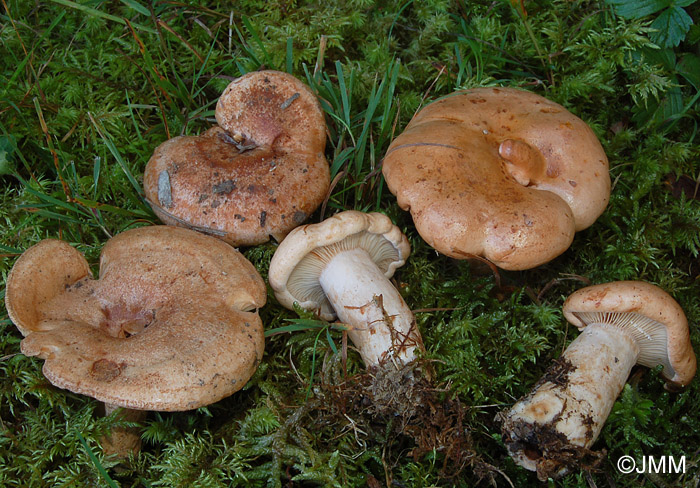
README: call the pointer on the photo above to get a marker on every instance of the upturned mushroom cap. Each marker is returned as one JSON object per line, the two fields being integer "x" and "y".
{"x": 500, "y": 173}
{"x": 260, "y": 173}
{"x": 299, "y": 260}
{"x": 169, "y": 325}
{"x": 39, "y": 274}
{"x": 649, "y": 313}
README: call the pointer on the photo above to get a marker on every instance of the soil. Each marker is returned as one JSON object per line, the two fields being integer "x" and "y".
{"x": 557, "y": 373}
{"x": 402, "y": 410}
{"x": 551, "y": 450}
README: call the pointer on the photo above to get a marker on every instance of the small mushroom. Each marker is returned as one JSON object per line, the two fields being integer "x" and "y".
{"x": 341, "y": 268}
{"x": 623, "y": 323}
{"x": 259, "y": 173}
{"x": 500, "y": 173}
{"x": 171, "y": 324}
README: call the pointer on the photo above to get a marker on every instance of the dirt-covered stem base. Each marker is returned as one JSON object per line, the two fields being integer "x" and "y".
{"x": 554, "y": 425}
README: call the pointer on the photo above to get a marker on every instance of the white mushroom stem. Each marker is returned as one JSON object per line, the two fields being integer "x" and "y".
{"x": 381, "y": 325}
{"x": 122, "y": 441}
{"x": 569, "y": 405}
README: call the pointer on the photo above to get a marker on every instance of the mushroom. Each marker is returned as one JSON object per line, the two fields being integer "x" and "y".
{"x": 171, "y": 324}
{"x": 259, "y": 173}
{"x": 623, "y": 323}
{"x": 341, "y": 268}
{"x": 500, "y": 173}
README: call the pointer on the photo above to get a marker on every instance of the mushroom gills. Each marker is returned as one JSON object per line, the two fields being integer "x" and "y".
{"x": 566, "y": 410}
{"x": 651, "y": 336}
{"x": 303, "y": 281}
{"x": 381, "y": 325}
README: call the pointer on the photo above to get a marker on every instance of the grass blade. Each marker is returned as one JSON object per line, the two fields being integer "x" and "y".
{"x": 49, "y": 200}
{"x": 20, "y": 66}
{"x": 97, "y": 13}
{"x": 330, "y": 341}
{"x": 137, "y": 6}
{"x": 303, "y": 324}
{"x": 117, "y": 156}
{"x": 96, "y": 462}
{"x": 10, "y": 250}
{"x": 290, "y": 55}
{"x": 344, "y": 90}
{"x": 258, "y": 41}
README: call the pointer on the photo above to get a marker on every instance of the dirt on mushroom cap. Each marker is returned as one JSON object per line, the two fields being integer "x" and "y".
{"x": 260, "y": 173}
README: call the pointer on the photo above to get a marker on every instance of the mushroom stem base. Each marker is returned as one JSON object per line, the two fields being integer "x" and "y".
{"x": 381, "y": 325}
{"x": 123, "y": 441}
{"x": 554, "y": 425}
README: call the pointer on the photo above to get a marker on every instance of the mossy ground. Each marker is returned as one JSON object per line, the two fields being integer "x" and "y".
{"x": 89, "y": 88}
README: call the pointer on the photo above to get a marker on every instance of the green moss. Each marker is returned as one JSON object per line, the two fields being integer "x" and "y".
{"x": 85, "y": 99}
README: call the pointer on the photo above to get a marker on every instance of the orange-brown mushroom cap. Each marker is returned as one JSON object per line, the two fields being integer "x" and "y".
{"x": 259, "y": 173}
{"x": 500, "y": 173}
{"x": 171, "y": 323}
{"x": 647, "y": 300}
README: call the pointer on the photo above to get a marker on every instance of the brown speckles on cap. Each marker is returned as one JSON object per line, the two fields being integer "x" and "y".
{"x": 171, "y": 306}
{"x": 224, "y": 187}
{"x": 467, "y": 167}
{"x": 271, "y": 137}
{"x": 106, "y": 370}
